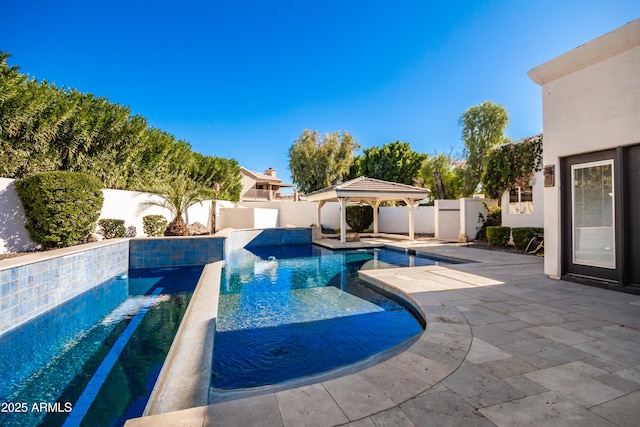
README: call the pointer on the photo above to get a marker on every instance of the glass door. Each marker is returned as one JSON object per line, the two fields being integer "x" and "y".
{"x": 592, "y": 214}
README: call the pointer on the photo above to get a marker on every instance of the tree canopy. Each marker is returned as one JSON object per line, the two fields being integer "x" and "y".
{"x": 483, "y": 128}
{"x": 46, "y": 128}
{"x": 394, "y": 162}
{"x": 317, "y": 161}
{"x": 442, "y": 176}
{"x": 512, "y": 165}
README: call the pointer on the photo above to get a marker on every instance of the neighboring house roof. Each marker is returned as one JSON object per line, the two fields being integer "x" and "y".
{"x": 363, "y": 188}
{"x": 260, "y": 176}
{"x": 263, "y": 177}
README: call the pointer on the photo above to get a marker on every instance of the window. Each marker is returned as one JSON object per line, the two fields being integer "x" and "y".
{"x": 521, "y": 200}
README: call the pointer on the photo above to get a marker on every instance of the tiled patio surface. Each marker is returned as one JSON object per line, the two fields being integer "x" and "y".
{"x": 504, "y": 346}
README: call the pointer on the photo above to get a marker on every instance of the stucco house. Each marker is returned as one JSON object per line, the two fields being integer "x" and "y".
{"x": 591, "y": 125}
{"x": 523, "y": 206}
{"x": 265, "y": 186}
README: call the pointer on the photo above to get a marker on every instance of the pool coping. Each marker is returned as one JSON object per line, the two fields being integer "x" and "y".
{"x": 185, "y": 376}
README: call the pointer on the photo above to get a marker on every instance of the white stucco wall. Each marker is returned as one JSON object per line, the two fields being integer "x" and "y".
{"x": 118, "y": 204}
{"x": 265, "y": 218}
{"x": 591, "y": 102}
{"x": 470, "y": 220}
{"x": 447, "y": 219}
{"x": 396, "y": 219}
{"x": 14, "y": 237}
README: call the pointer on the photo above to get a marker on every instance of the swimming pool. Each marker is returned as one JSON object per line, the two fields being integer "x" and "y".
{"x": 287, "y": 312}
{"x": 95, "y": 359}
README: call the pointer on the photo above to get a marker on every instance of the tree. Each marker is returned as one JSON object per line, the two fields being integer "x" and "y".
{"x": 483, "y": 128}
{"x": 221, "y": 175}
{"x": 317, "y": 161}
{"x": 46, "y": 128}
{"x": 394, "y": 162}
{"x": 179, "y": 196}
{"x": 512, "y": 165}
{"x": 442, "y": 176}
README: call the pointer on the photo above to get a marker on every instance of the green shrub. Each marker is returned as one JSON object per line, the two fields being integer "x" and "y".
{"x": 154, "y": 225}
{"x": 131, "y": 231}
{"x": 498, "y": 235}
{"x": 494, "y": 217}
{"x": 523, "y": 235}
{"x": 111, "y": 228}
{"x": 359, "y": 218}
{"x": 61, "y": 207}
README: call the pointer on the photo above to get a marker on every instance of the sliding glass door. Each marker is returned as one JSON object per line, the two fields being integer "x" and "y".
{"x": 593, "y": 216}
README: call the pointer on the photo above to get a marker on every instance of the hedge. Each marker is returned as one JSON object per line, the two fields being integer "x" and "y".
{"x": 61, "y": 207}
{"x": 359, "y": 218}
{"x": 498, "y": 235}
{"x": 522, "y": 236}
{"x": 154, "y": 225}
{"x": 494, "y": 217}
{"x": 111, "y": 228}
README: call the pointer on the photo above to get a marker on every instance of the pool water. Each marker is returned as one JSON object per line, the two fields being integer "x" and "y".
{"x": 97, "y": 355}
{"x": 290, "y": 312}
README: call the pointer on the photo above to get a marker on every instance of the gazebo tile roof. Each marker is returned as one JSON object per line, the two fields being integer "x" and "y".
{"x": 372, "y": 185}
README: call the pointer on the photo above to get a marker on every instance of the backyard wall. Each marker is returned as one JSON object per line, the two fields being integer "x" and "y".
{"x": 396, "y": 219}
{"x": 303, "y": 214}
{"x": 447, "y": 219}
{"x": 118, "y": 204}
{"x": 14, "y": 237}
{"x": 32, "y": 284}
{"x": 473, "y": 212}
{"x": 300, "y": 214}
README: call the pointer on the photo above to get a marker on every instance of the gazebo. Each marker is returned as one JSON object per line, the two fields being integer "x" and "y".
{"x": 372, "y": 192}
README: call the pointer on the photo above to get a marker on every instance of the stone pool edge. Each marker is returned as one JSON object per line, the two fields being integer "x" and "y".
{"x": 185, "y": 376}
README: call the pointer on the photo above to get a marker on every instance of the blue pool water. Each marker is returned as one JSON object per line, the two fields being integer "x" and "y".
{"x": 290, "y": 312}
{"x": 98, "y": 355}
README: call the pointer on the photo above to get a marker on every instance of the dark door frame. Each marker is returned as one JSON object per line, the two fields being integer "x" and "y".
{"x": 623, "y": 198}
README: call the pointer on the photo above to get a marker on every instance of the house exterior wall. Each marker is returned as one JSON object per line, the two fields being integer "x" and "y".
{"x": 591, "y": 102}
{"x": 248, "y": 184}
{"x": 535, "y": 219}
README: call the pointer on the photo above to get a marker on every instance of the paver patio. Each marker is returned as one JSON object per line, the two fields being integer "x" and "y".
{"x": 504, "y": 345}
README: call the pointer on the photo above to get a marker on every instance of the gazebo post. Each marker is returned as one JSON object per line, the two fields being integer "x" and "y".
{"x": 375, "y": 206}
{"x": 321, "y": 203}
{"x": 410, "y": 204}
{"x": 343, "y": 219}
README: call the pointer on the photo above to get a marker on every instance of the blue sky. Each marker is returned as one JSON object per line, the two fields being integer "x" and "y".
{"x": 242, "y": 79}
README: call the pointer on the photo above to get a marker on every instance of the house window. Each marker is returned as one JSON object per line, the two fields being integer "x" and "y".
{"x": 521, "y": 200}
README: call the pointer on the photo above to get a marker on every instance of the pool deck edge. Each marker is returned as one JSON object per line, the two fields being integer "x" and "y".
{"x": 186, "y": 373}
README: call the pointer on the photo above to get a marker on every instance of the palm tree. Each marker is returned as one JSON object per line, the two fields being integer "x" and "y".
{"x": 177, "y": 198}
